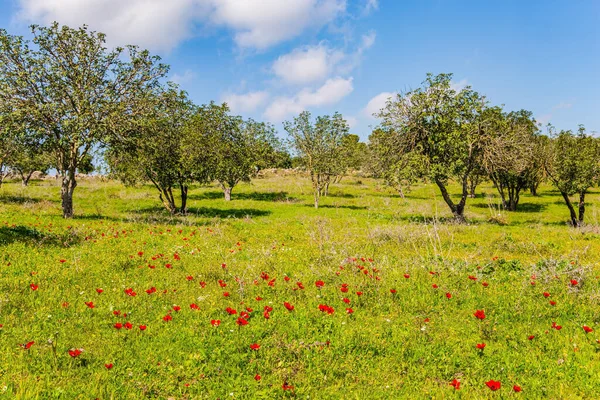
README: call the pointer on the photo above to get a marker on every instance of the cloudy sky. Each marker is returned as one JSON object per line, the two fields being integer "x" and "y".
{"x": 271, "y": 59}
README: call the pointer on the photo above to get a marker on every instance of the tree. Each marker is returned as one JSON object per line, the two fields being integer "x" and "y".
{"x": 399, "y": 170}
{"x": 229, "y": 149}
{"x": 28, "y": 158}
{"x": 445, "y": 128}
{"x": 574, "y": 167}
{"x": 352, "y": 156}
{"x": 72, "y": 94}
{"x": 510, "y": 158}
{"x": 319, "y": 147}
{"x": 154, "y": 153}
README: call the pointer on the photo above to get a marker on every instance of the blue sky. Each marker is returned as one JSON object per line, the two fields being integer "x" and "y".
{"x": 270, "y": 59}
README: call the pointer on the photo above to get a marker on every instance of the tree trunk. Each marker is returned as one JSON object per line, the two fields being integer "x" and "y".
{"x": 326, "y": 191}
{"x": 574, "y": 220}
{"x": 227, "y": 192}
{"x": 317, "y": 193}
{"x": 533, "y": 189}
{"x": 25, "y": 178}
{"x": 457, "y": 209}
{"x": 184, "y": 193}
{"x": 66, "y": 192}
{"x": 581, "y": 207}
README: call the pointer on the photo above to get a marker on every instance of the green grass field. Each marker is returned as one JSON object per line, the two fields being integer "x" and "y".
{"x": 394, "y": 317}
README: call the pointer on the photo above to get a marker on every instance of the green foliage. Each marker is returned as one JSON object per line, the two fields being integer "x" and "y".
{"x": 574, "y": 167}
{"x": 512, "y": 159}
{"x": 399, "y": 170}
{"x": 154, "y": 152}
{"x": 445, "y": 127}
{"x": 229, "y": 149}
{"x": 65, "y": 90}
{"x": 320, "y": 147}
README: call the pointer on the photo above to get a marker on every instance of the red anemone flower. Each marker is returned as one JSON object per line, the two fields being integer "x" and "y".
{"x": 215, "y": 322}
{"x": 480, "y": 314}
{"x": 255, "y": 346}
{"x": 288, "y": 306}
{"x": 456, "y": 384}
{"x": 493, "y": 385}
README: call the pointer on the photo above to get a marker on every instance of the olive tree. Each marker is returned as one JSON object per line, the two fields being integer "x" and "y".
{"x": 154, "y": 152}
{"x": 574, "y": 167}
{"x": 319, "y": 147}
{"x": 399, "y": 170}
{"x": 228, "y": 149}
{"x": 445, "y": 127}
{"x": 510, "y": 158}
{"x": 72, "y": 94}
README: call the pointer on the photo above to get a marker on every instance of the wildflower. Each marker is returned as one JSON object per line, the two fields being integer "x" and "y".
{"x": 33, "y": 286}
{"x": 189, "y": 278}
{"x": 319, "y": 284}
{"x": 406, "y": 276}
{"x": 257, "y": 377}
{"x": 546, "y": 294}
{"x": 215, "y": 322}
{"x": 574, "y": 282}
{"x": 481, "y": 346}
{"x": 531, "y": 337}
{"x": 448, "y": 295}
{"x": 142, "y": 327}
{"x": 90, "y": 304}
{"x": 493, "y": 385}
{"x": 288, "y": 306}
{"x": 99, "y": 290}
{"x": 226, "y": 294}
{"x": 176, "y": 308}
{"x": 108, "y": 366}
{"x": 349, "y": 310}
{"x": 167, "y": 318}
{"x": 75, "y": 352}
{"x": 241, "y": 321}
{"x": 480, "y": 314}
{"x": 393, "y": 291}
{"x": 27, "y": 345}
{"x": 118, "y": 325}
{"x": 255, "y": 346}
{"x": 194, "y": 306}
{"x": 587, "y": 329}
{"x": 128, "y": 325}
{"x": 456, "y": 384}
{"x": 346, "y": 300}
{"x": 517, "y": 388}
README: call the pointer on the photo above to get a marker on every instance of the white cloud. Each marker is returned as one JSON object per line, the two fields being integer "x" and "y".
{"x": 460, "y": 85}
{"x": 307, "y": 64}
{"x": 163, "y": 24}
{"x": 311, "y": 64}
{"x": 377, "y": 103}
{"x": 181, "y": 79}
{"x": 332, "y": 91}
{"x": 155, "y": 24}
{"x": 264, "y": 23}
{"x": 247, "y": 102}
{"x": 371, "y": 5}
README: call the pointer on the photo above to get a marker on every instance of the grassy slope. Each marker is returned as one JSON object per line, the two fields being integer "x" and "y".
{"x": 385, "y": 349}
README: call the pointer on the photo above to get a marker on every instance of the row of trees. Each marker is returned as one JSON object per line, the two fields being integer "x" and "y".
{"x": 439, "y": 134}
{"x": 63, "y": 95}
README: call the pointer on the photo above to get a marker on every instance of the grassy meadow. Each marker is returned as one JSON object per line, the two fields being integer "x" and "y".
{"x": 370, "y": 296}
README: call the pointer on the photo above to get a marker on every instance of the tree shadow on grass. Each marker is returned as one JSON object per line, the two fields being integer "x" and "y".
{"x": 28, "y": 235}
{"x": 257, "y": 196}
{"x": 338, "y": 206}
{"x": 11, "y": 199}
{"x": 521, "y": 207}
{"x": 202, "y": 212}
